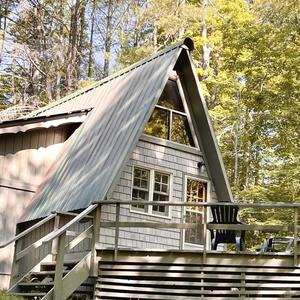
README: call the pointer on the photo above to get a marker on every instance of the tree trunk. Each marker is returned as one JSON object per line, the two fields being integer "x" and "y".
{"x": 91, "y": 43}
{"x": 108, "y": 39}
{"x": 72, "y": 47}
{"x": 59, "y": 54}
{"x": 237, "y": 142}
{"x": 81, "y": 38}
{"x": 214, "y": 98}
{"x": 3, "y": 24}
{"x": 182, "y": 29}
{"x": 205, "y": 48}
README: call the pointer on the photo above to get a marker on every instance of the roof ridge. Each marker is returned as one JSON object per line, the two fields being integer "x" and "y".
{"x": 186, "y": 42}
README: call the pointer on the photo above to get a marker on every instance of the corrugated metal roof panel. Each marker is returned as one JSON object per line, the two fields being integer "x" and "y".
{"x": 84, "y": 98}
{"x": 94, "y": 155}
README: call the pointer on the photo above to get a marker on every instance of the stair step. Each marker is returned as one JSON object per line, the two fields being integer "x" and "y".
{"x": 45, "y": 273}
{"x": 35, "y": 283}
{"x": 53, "y": 263}
{"x": 29, "y": 294}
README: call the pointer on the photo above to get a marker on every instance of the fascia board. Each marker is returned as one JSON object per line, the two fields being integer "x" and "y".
{"x": 209, "y": 146}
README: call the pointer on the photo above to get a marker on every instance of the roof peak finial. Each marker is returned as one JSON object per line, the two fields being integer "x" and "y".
{"x": 189, "y": 43}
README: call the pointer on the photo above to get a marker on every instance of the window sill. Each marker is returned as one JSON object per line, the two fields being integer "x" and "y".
{"x": 198, "y": 246}
{"x": 176, "y": 146}
{"x": 169, "y": 217}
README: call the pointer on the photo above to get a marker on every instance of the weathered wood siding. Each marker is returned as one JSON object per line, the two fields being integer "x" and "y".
{"x": 24, "y": 160}
{"x": 163, "y": 158}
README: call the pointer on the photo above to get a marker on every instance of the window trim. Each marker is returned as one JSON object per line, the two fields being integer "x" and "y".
{"x": 187, "y": 113}
{"x": 152, "y": 171}
{"x": 185, "y": 245}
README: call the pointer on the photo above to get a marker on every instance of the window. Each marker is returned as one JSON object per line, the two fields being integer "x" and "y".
{"x": 140, "y": 190}
{"x": 150, "y": 185}
{"x": 169, "y": 120}
{"x": 196, "y": 192}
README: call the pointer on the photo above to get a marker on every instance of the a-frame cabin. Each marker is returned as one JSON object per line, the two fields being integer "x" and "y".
{"x": 131, "y": 146}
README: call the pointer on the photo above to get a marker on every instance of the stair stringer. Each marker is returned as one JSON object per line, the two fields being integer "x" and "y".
{"x": 71, "y": 281}
{"x": 36, "y": 268}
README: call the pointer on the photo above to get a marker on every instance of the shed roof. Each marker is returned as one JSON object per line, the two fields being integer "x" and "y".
{"x": 95, "y": 154}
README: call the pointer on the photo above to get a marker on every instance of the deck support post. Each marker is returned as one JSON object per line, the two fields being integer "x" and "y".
{"x": 117, "y": 229}
{"x": 95, "y": 239}
{"x": 295, "y": 236}
{"x": 59, "y": 268}
{"x": 243, "y": 283}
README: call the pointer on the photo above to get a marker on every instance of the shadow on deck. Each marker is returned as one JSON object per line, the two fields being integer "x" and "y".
{"x": 167, "y": 275}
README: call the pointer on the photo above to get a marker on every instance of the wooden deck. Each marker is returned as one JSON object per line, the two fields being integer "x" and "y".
{"x": 167, "y": 275}
{"x": 136, "y": 274}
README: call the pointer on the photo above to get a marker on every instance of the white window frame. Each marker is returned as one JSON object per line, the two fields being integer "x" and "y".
{"x": 208, "y": 199}
{"x": 151, "y": 192}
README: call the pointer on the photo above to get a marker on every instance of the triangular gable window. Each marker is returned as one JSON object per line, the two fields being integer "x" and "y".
{"x": 169, "y": 119}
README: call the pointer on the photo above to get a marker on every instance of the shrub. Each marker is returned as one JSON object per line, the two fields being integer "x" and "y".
{"x": 5, "y": 296}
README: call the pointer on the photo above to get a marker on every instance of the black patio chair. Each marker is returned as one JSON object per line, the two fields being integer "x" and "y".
{"x": 226, "y": 215}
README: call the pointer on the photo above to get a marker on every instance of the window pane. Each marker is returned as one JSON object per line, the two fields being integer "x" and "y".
{"x": 164, "y": 188}
{"x": 144, "y": 184}
{"x": 157, "y": 187}
{"x": 165, "y": 179}
{"x": 170, "y": 97}
{"x": 144, "y": 174}
{"x": 181, "y": 132}
{"x": 158, "y": 125}
{"x": 195, "y": 193}
{"x": 161, "y": 182}
{"x": 138, "y": 195}
{"x": 140, "y": 190}
{"x": 137, "y": 172}
{"x": 141, "y": 178}
{"x": 194, "y": 236}
{"x": 159, "y": 208}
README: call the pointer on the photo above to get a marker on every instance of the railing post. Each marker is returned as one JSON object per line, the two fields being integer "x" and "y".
{"x": 59, "y": 268}
{"x": 117, "y": 231}
{"x": 295, "y": 236}
{"x": 205, "y": 233}
{"x": 95, "y": 239}
{"x": 54, "y": 245}
{"x": 181, "y": 230}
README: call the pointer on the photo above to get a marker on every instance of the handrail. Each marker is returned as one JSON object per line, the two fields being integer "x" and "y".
{"x": 206, "y": 204}
{"x": 61, "y": 230}
{"x": 71, "y": 214}
{"x": 30, "y": 229}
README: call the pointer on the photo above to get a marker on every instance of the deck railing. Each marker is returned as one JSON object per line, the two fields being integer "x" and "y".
{"x": 292, "y": 228}
{"x": 60, "y": 246}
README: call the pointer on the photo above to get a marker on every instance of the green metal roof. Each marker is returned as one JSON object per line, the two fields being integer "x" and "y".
{"x": 95, "y": 154}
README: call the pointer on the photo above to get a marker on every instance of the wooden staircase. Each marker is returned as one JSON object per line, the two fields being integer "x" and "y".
{"x": 60, "y": 272}
{"x": 36, "y": 285}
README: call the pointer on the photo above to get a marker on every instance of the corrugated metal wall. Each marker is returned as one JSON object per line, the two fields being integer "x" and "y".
{"x": 24, "y": 159}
